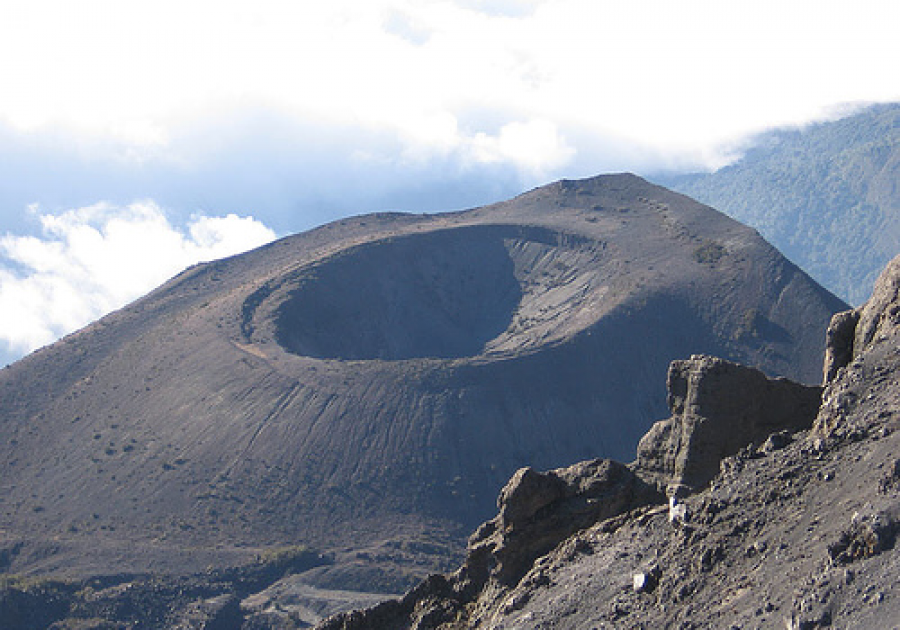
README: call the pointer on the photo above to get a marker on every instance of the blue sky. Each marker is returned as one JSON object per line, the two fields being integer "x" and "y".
{"x": 139, "y": 137}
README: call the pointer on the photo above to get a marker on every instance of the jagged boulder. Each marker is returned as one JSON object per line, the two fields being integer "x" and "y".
{"x": 539, "y": 510}
{"x": 851, "y": 332}
{"x": 718, "y": 407}
{"x": 526, "y": 493}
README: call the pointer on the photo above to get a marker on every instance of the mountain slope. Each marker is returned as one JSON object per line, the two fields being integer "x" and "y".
{"x": 367, "y": 387}
{"x": 827, "y": 196}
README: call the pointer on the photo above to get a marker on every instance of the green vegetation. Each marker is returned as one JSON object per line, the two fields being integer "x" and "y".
{"x": 825, "y": 195}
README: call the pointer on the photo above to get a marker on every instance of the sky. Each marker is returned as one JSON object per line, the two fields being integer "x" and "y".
{"x": 137, "y": 138}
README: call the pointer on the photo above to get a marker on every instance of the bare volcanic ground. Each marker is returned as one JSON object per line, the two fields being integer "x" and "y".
{"x": 366, "y": 388}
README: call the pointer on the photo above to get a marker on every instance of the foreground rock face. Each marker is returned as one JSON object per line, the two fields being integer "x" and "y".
{"x": 799, "y": 532}
{"x": 719, "y": 407}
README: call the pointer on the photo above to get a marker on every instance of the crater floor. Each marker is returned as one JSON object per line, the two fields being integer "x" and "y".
{"x": 446, "y": 294}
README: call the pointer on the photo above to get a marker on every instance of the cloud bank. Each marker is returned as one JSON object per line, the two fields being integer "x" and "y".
{"x": 681, "y": 77}
{"x": 90, "y": 261}
{"x": 302, "y": 112}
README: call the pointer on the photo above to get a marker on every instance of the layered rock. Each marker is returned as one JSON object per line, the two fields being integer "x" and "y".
{"x": 718, "y": 407}
{"x": 879, "y": 318}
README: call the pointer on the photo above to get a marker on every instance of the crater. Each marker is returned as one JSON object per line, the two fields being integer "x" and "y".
{"x": 447, "y": 294}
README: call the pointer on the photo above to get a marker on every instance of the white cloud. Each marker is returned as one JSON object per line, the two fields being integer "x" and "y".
{"x": 92, "y": 260}
{"x": 535, "y": 146}
{"x": 679, "y": 77}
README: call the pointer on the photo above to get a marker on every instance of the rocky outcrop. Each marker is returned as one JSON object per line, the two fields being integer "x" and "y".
{"x": 850, "y": 333}
{"x": 539, "y": 510}
{"x": 718, "y": 407}
{"x": 839, "y": 343}
{"x": 870, "y": 331}
{"x": 879, "y": 319}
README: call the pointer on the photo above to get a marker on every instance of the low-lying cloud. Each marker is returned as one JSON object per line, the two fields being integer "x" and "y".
{"x": 89, "y": 261}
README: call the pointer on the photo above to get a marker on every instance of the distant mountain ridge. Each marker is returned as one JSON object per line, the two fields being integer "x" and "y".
{"x": 367, "y": 387}
{"x": 828, "y": 196}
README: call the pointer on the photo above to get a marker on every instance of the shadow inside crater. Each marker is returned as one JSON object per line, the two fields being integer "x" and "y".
{"x": 442, "y": 294}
